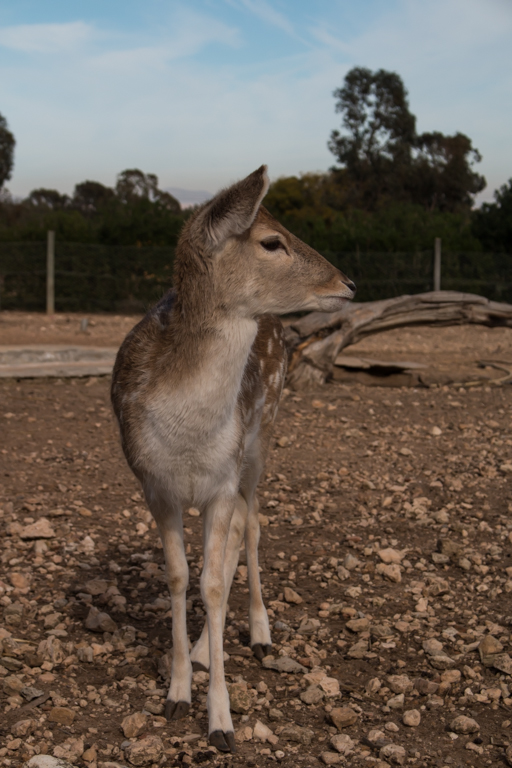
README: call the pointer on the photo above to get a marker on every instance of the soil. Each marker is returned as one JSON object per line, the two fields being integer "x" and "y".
{"x": 353, "y": 473}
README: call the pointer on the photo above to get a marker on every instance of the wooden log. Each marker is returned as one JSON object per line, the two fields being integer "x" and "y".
{"x": 316, "y": 339}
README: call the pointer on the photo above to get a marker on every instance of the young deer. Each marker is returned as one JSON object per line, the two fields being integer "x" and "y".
{"x": 195, "y": 389}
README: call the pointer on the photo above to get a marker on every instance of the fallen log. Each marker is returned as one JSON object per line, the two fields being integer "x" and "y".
{"x": 316, "y": 339}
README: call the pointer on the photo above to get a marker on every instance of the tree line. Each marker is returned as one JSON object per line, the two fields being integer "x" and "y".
{"x": 391, "y": 189}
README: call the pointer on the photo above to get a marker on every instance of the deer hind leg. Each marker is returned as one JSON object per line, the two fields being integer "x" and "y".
{"x": 200, "y": 654}
{"x": 261, "y": 642}
{"x": 216, "y": 532}
{"x": 170, "y": 526}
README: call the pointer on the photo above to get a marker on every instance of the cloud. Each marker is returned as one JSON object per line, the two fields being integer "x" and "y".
{"x": 46, "y": 38}
{"x": 266, "y": 13}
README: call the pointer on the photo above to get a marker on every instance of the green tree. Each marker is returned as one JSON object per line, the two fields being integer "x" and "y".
{"x": 377, "y": 149}
{"x": 90, "y": 197}
{"x": 47, "y": 199}
{"x": 7, "y": 144}
{"x": 133, "y": 184}
{"x": 492, "y": 224}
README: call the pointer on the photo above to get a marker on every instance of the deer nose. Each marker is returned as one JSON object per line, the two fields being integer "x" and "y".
{"x": 350, "y": 285}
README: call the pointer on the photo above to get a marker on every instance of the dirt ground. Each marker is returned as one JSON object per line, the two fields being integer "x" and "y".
{"x": 386, "y": 557}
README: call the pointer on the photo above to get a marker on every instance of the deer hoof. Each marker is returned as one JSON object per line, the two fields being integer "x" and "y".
{"x": 198, "y": 667}
{"x": 175, "y": 710}
{"x": 224, "y": 742}
{"x": 260, "y": 650}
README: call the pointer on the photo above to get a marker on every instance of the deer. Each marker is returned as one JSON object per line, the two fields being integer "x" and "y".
{"x": 195, "y": 389}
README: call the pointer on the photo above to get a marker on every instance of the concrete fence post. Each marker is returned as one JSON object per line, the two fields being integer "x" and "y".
{"x": 437, "y": 264}
{"x": 50, "y": 273}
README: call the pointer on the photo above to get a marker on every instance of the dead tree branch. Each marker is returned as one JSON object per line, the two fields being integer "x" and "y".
{"x": 316, "y": 339}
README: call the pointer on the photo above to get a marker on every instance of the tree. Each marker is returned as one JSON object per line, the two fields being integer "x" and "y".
{"x": 442, "y": 176}
{"x": 384, "y": 158}
{"x": 47, "y": 199}
{"x": 7, "y": 144}
{"x": 133, "y": 184}
{"x": 90, "y": 197}
{"x": 493, "y": 222}
{"x": 381, "y": 132}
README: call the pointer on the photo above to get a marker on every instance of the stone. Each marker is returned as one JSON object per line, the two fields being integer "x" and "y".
{"x": 330, "y": 686}
{"x": 350, "y": 562}
{"x": 396, "y": 702}
{"x": 47, "y": 761}
{"x": 488, "y": 647}
{"x": 432, "y": 646}
{"x": 283, "y": 664}
{"x": 342, "y": 743}
{"x": 30, "y": 693}
{"x": 392, "y": 572}
{"x": 133, "y": 725}
{"x": 463, "y": 724}
{"x": 508, "y": 755}
{"x": 96, "y": 587}
{"x": 291, "y": 596}
{"x": 146, "y": 751}
{"x": 51, "y": 650}
{"x": 23, "y": 727}
{"x": 358, "y": 625}
{"x": 297, "y": 734}
{"x": 41, "y": 529}
{"x": 71, "y": 749}
{"x": 441, "y": 661}
{"x": 98, "y": 621}
{"x": 240, "y": 700}
{"x": 503, "y": 663}
{"x": 358, "y": 650}
{"x": 390, "y": 555}
{"x": 312, "y": 695}
{"x": 393, "y": 754}
{"x": 343, "y": 717}
{"x": 12, "y": 685}
{"x": 330, "y": 758}
{"x": 450, "y": 676}
{"x": 308, "y": 626}
{"x": 412, "y": 718}
{"x": 20, "y": 580}
{"x": 400, "y": 683}
{"x": 263, "y": 733}
{"x": 61, "y": 715}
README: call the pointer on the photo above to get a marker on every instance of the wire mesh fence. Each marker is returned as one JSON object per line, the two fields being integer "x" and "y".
{"x": 104, "y": 278}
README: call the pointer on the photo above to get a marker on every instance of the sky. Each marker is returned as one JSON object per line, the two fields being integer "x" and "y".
{"x": 202, "y": 92}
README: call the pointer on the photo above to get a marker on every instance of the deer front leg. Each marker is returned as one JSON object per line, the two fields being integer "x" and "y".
{"x": 261, "y": 642}
{"x": 216, "y": 530}
{"x": 200, "y": 654}
{"x": 171, "y": 532}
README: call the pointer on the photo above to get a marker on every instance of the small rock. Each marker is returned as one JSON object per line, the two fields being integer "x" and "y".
{"x": 22, "y": 728}
{"x": 358, "y": 625}
{"x": 450, "y": 676}
{"x": 96, "y": 587}
{"x": 46, "y": 761}
{"x": 291, "y": 596}
{"x": 297, "y": 734}
{"x": 133, "y": 725}
{"x": 12, "y": 685}
{"x": 38, "y": 530}
{"x": 70, "y": 749}
{"x": 508, "y": 755}
{"x": 463, "y": 724}
{"x": 283, "y": 664}
{"x": 358, "y": 650}
{"x": 392, "y": 572}
{"x": 240, "y": 700}
{"x": 29, "y": 693}
{"x": 350, "y": 562}
{"x": 503, "y": 663}
{"x": 432, "y": 646}
{"x": 97, "y": 621}
{"x": 390, "y": 555}
{"x": 377, "y": 738}
{"x": 436, "y": 431}
{"x": 342, "y": 743}
{"x": 61, "y": 715}
{"x": 308, "y": 626}
{"x": 411, "y": 717}
{"x": 400, "y": 683}
{"x": 396, "y": 702}
{"x": 488, "y": 647}
{"x": 20, "y": 580}
{"x": 343, "y": 717}
{"x": 441, "y": 661}
{"x": 330, "y": 686}
{"x": 393, "y": 754}
{"x": 263, "y": 733}
{"x": 330, "y": 758}
{"x": 146, "y": 751}
{"x": 312, "y": 695}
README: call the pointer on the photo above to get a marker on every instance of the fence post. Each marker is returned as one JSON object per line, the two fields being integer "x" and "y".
{"x": 437, "y": 264}
{"x": 50, "y": 272}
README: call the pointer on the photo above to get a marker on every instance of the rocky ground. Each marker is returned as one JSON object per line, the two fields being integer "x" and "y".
{"x": 387, "y": 568}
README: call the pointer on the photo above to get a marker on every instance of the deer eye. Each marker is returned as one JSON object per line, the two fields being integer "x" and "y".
{"x": 271, "y": 245}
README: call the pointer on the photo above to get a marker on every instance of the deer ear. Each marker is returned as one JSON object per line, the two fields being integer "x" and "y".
{"x": 234, "y": 209}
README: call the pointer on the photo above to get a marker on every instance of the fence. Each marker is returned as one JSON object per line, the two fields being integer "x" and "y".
{"x": 102, "y": 278}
